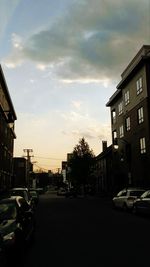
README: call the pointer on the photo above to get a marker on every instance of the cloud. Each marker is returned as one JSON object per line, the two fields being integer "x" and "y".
{"x": 76, "y": 104}
{"x": 7, "y": 9}
{"x": 16, "y": 41}
{"x": 93, "y": 41}
{"x": 80, "y": 124}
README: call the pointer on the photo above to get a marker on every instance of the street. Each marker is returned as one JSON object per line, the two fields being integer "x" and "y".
{"x": 74, "y": 232}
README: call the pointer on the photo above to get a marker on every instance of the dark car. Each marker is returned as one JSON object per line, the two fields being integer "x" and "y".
{"x": 35, "y": 196}
{"x": 142, "y": 204}
{"x": 40, "y": 190}
{"x": 61, "y": 192}
{"x": 71, "y": 192}
{"x": 23, "y": 192}
{"x": 17, "y": 222}
{"x": 2, "y": 252}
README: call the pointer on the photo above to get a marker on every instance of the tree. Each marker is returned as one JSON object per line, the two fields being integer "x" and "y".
{"x": 80, "y": 163}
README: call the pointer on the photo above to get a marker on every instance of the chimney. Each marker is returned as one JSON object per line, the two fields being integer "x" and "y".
{"x": 104, "y": 145}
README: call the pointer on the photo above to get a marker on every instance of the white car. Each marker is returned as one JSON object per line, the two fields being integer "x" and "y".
{"x": 23, "y": 192}
{"x": 126, "y": 197}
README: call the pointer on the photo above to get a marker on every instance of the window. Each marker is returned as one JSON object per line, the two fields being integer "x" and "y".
{"x": 120, "y": 108}
{"x": 139, "y": 88}
{"x": 113, "y": 116}
{"x": 114, "y": 137}
{"x": 114, "y": 134}
{"x": 142, "y": 145}
{"x": 121, "y": 131}
{"x": 140, "y": 115}
{"x": 127, "y": 98}
{"x": 128, "y": 124}
{"x": 122, "y": 193}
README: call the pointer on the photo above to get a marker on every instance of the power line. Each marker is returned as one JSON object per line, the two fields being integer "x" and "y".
{"x": 47, "y": 158}
{"x": 45, "y": 168}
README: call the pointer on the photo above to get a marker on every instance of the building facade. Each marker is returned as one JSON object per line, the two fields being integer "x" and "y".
{"x": 130, "y": 121}
{"x": 19, "y": 172}
{"x": 102, "y": 171}
{"x": 7, "y": 134}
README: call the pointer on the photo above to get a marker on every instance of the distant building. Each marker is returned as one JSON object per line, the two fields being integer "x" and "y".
{"x": 7, "y": 134}
{"x": 130, "y": 121}
{"x": 102, "y": 170}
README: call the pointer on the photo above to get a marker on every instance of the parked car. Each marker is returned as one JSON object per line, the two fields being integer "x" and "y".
{"x": 23, "y": 192}
{"x": 126, "y": 197}
{"x": 61, "y": 192}
{"x": 17, "y": 222}
{"x": 142, "y": 204}
{"x": 35, "y": 196}
{"x": 71, "y": 192}
{"x": 2, "y": 252}
{"x": 40, "y": 190}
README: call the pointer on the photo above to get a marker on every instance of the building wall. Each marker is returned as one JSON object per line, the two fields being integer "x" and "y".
{"x": 19, "y": 172}
{"x": 6, "y": 153}
{"x": 136, "y": 163}
{"x": 7, "y": 135}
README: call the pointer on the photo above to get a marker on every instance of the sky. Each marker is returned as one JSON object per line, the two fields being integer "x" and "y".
{"x": 62, "y": 61}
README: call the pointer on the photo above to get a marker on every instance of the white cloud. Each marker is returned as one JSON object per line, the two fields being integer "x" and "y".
{"x": 7, "y": 9}
{"x": 76, "y": 104}
{"x": 41, "y": 67}
{"x": 16, "y": 41}
{"x": 94, "y": 46}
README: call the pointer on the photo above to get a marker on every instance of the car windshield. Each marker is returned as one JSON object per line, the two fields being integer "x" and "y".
{"x": 136, "y": 193}
{"x": 146, "y": 195}
{"x": 7, "y": 211}
{"x": 21, "y": 193}
{"x": 17, "y": 193}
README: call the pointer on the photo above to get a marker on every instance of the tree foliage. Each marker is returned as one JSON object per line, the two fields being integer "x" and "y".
{"x": 80, "y": 163}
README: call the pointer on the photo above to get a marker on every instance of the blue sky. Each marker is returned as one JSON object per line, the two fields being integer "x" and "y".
{"x": 62, "y": 60}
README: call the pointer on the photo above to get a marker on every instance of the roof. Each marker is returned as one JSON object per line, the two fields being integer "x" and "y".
{"x": 142, "y": 55}
{"x": 104, "y": 153}
{"x": 116, "y": 94}
{"x": 134, "y": 189}
{"x": 138, "y": 60}
{"x": 19, "y": 188}
{"x": 5, "y": 88}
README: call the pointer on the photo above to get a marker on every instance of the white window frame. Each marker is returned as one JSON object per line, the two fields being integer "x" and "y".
{"x": 113, "y": 116}
{"x": 121, "y": 131}
{"x": 140, "y": 115}
{"x": 128, "y": 124}
{"x": 139, "y": 85}
{"x": 127, "y": 98}
{"x": 142, "y": 145}
{"x": 120, "y": 108}
{"x": 114, "y": 134}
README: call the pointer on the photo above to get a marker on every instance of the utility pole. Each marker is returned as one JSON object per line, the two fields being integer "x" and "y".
{"x": 28, "y": 156}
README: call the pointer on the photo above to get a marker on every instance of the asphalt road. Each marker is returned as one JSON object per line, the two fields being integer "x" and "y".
{"x": 85, "y": 232}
